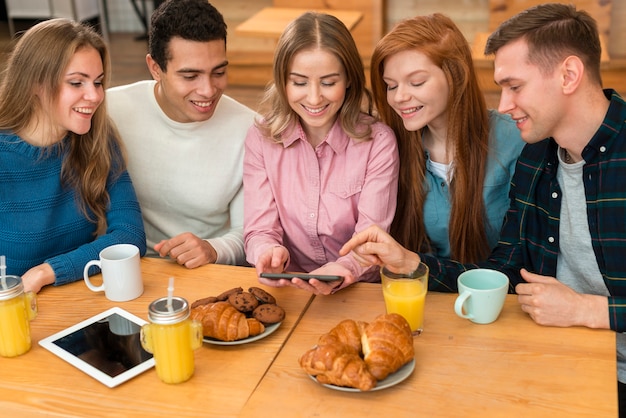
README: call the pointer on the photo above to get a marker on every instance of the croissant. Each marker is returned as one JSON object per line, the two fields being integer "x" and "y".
{"x": 337, "y": 364}
{"x": 347, "y": 332}
{"x": 224, "y": 322}
{"x": 255, "y": 326}
{"x": 387, "y": 345}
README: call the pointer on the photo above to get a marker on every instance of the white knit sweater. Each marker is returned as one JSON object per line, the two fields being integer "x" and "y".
{"x": 188, "y": 176}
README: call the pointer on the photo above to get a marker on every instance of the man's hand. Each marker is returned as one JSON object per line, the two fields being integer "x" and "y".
{"x": 187, "y": 250}
{"x": 550, "y": 302}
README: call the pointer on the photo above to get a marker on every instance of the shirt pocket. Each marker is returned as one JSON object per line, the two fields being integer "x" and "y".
{"x": 344, "y": 189}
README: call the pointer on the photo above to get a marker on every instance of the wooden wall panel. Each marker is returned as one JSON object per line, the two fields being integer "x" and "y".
{"x": 366, "y": 33}
{"x": 501, "y": 10}
{"x": 251, "y": 58}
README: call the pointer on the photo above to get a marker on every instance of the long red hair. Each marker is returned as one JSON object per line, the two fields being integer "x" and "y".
{"x": 442, "y": 42}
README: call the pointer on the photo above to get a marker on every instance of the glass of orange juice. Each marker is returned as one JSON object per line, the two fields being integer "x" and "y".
{"x": 172, "y": 336}
{"x": 17, "y": 309}
{"x": 405, "y": 294}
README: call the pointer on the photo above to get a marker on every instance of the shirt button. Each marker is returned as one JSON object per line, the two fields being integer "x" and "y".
{"x": 551, "y": 240}
{"x": 602, "y": 148}
{"x": 311, "y": 215}
{"x": 555, "y": 195}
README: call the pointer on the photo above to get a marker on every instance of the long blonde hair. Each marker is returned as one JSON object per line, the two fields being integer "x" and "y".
{"x": 442, "y": 42}
{"x": 38, "y": 61}
{"x": 308, "y": 31}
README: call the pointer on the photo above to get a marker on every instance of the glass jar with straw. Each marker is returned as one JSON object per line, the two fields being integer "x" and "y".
{"x": 171, "y": 336}
{"x": 17, "y": 309}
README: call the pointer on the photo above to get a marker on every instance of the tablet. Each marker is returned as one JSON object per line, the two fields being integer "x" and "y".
{"x": 106, "y": 346}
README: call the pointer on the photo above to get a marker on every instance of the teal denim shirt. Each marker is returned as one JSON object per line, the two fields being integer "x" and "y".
{"x": 505, "y": 145}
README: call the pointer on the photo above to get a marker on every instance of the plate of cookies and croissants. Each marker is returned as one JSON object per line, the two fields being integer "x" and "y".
{"x": 236, "y": 316}
{"x": 357, "y": 356}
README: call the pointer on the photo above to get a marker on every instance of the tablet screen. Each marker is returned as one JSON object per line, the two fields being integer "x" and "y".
{"x": 106, "y": 346}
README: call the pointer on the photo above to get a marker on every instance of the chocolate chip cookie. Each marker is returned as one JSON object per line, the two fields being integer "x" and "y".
{"x": 262, "y": 295}
{"x": 204, "y": 301}
{"x": 269, "y": 313}
{"x": 243, "y": 301}
{"x": 225, "y": 295}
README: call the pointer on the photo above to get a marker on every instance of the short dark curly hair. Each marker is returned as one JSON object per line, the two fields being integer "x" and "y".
{"x": 194, "y": 20}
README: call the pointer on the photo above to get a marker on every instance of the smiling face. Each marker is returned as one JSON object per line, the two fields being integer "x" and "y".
{"x": 417, "y": 90}
{"x": 316, "y": 89}
{"x": 80, "y": 94}
{"x": 533, "y": 99}
{"x": 195, "y": 79}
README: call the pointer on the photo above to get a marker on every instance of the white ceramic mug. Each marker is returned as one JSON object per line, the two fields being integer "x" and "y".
{"x": 481, "y": 295}
{"x": 121, "y": 273}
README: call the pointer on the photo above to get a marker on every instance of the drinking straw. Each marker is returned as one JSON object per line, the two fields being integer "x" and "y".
{"x": 170, "y": 294}
{"x": 3, "y": 268}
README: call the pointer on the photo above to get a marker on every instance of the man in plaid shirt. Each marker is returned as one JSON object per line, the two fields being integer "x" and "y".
{"x": 563, "y": 241}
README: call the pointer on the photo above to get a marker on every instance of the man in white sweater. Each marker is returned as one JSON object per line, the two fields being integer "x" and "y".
{"x": 185, "y": 139}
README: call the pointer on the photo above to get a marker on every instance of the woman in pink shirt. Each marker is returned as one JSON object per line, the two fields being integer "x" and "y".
{"x": 317, "y": 168}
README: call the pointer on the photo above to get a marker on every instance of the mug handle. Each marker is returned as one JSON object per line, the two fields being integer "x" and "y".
{"x": 86, "y": 276}
{"x": 31, "y": 305}
{"x": 145, "y": 337}
{"x": 196, "y": 334}
{"x": 458, "y": 305}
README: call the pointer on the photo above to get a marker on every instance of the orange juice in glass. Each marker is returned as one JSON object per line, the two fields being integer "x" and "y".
{"x": 171, "y": 337}
{"x": 405, "y": 294}
{"x": 17, "y": 309}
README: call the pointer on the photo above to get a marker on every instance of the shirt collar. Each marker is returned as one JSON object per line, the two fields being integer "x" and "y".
{"x": 612, "y": 125}
{"x": 336, "y": 138}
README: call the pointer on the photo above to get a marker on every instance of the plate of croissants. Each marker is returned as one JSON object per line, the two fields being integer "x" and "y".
{"x": 237, "y": 316}
{"x": 357, "y": 356}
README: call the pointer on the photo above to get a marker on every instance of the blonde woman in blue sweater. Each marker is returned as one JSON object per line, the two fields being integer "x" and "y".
{"x": 64, "y": 190}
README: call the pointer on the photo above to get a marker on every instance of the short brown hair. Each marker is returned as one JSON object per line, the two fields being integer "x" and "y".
{"x": 553, "y": 31}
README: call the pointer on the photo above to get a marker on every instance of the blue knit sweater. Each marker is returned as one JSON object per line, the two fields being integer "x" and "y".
{"x": 40, "y": 221}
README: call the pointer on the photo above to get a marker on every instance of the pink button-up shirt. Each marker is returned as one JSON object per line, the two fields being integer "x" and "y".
{"x": 312, "y": 200}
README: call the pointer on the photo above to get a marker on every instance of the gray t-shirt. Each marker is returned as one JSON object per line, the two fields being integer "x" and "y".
{"x": 577, "y": 266}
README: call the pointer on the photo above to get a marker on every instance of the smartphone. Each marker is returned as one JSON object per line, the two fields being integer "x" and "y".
{"x": 323, "y": 278}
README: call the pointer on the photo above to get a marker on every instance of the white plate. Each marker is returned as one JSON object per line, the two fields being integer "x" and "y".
{"x": 268, "y": 330}
{"x": 391, "y": 380}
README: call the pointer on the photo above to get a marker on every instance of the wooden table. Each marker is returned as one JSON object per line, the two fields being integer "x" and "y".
{"x": 270, "y": 22}
{"x": 40, "y": 384}
{"x": 510, "y": 368}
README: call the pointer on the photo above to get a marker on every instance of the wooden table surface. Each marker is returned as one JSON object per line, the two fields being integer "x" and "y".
{"x": 39, "y": 383}
{"x": 510, "y": 368}
{"x": 270, "y": 22}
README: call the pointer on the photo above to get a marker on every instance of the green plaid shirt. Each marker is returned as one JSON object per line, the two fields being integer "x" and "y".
{"x": 530, "y": 234}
